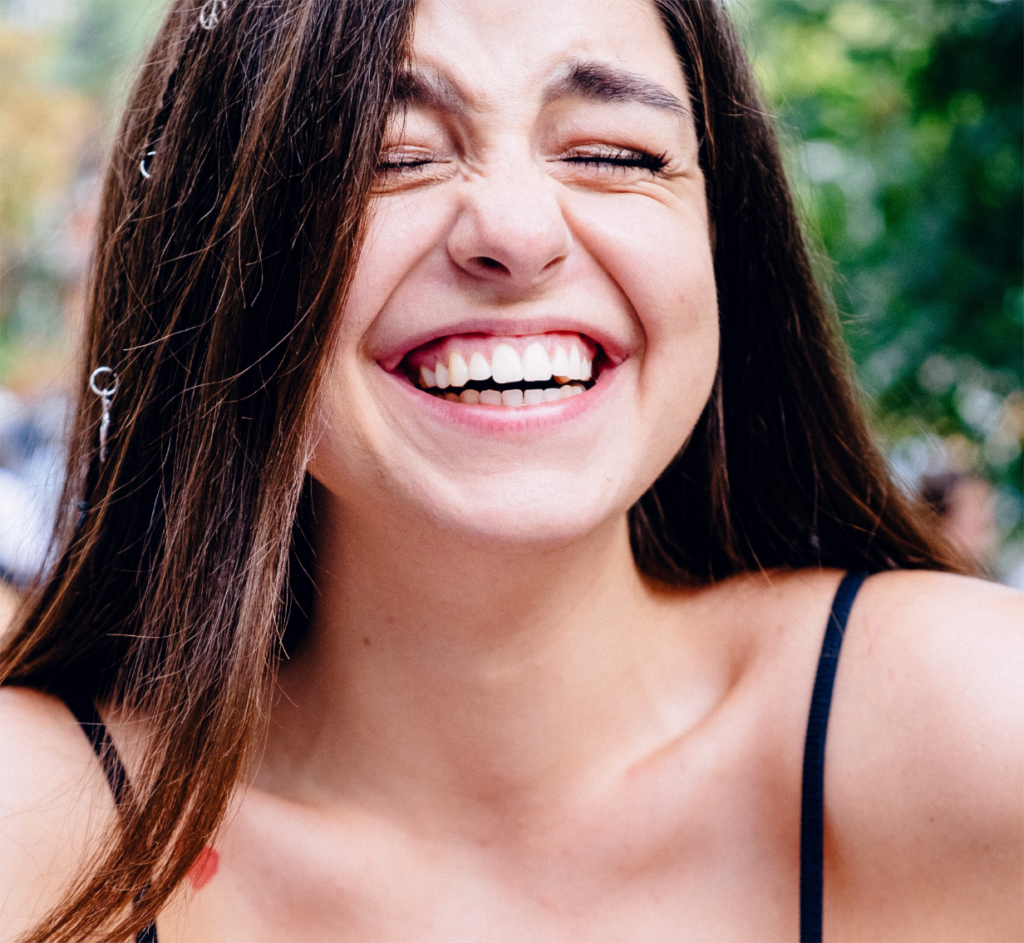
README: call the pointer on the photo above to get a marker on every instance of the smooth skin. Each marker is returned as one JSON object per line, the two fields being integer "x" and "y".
{"x": 497, "y": 729}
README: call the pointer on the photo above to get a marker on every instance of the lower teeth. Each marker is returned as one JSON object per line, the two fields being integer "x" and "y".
{"x": 514, "y": 397}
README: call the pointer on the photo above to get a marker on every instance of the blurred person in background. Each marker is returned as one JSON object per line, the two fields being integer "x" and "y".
{"x": 964, "y": 505}
{"x": 32, "y": 455}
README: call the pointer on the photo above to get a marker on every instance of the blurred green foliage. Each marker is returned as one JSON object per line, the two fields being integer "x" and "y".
{"x": 903, "y": 120}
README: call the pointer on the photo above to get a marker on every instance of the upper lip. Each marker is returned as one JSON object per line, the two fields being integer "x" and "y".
{"x": 614, "y": 348}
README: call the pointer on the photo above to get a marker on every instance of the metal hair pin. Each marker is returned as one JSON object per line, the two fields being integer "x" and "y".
{"x": 106, "y": 395}
{"x": 210, "y": 14}
{"x": 142, "y": 164}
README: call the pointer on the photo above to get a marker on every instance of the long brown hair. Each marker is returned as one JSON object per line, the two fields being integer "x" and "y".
{"x": 215, "y": 291}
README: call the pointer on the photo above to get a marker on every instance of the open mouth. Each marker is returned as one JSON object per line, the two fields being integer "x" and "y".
{"x": 491, "y": 370}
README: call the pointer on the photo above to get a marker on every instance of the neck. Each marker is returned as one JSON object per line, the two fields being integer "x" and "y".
{"x": 499, "y": 677}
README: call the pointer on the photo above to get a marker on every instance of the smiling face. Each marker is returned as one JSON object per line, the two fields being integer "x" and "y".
{"x": 532, "y": 330}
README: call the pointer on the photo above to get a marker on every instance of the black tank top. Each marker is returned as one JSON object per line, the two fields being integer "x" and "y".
{"x": 812, "y": 805}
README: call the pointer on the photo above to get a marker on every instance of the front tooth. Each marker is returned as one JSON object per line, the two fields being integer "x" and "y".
{"x": 551, "y": 394}
{"x": 564, "y": 392}
{"x": 511, "y": 397}
{"x": 576, "y": 390}
{"x": 506, "y": 367}
{"x": 452, "y": 397}
{"x": 588, "y": 369}
{"x": 560, "y": 363}
{"x": 458, "y": 372}
{"x": 532, "y": 397}
{"x": 536, "y": 363}
{"x": 575, "y": 364}
{"x": 427, "y": 377}
{"x": 470, "y": 396}
{"x": 441, "y": 372}
{"x": 479, "y": 368}
{"x": 490, "y": 397}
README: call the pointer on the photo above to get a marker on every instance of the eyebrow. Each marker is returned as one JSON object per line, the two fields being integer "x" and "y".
{"x": 428, "y": 89}
{"x": 596, "y": 81}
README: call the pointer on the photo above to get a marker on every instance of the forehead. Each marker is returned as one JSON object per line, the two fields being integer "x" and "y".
{"x": 495, "y": 50}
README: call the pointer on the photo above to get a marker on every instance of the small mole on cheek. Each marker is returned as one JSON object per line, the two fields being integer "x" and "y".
{"x": 366, "y": 641}
{"x": 203, "y": 868}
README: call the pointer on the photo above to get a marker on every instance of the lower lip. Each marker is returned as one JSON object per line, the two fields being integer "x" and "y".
{"x": 508, "y": 419}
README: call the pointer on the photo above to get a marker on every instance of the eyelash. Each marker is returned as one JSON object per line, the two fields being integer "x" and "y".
{"x": 618, "y": 158}
{"x": 613, "y": 158}
{"x": 386, "y": 166}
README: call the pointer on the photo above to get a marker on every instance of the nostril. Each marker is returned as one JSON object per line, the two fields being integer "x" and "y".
{"x": 492, "y": 265}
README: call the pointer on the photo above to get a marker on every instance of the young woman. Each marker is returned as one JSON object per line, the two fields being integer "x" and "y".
{"x": 480, "y": 475}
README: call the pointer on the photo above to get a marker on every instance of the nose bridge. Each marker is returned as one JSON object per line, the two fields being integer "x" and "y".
{"x": 510, "y": 226}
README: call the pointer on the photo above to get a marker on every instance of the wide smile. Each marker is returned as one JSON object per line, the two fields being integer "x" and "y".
{"x": 507, "y": 372}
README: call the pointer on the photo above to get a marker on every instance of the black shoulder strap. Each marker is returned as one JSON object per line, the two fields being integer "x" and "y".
{"x": 88, "y": 717}
{"x": 812, "y": 811}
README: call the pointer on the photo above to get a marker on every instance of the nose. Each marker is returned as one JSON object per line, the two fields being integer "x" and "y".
{"x": 510, "y": 231}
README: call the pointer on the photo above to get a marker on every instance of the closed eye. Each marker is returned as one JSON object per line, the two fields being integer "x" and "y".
{"x": 410, "y": 160}
{"x": 401, "y": 161}
{"x": 602, "y": 158}
{"x": 616, "y": 158}
{"x": 400, "y": 168}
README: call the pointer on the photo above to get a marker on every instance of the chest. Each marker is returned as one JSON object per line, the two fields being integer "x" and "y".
{"x": 439, "y": 897}
{"x": 696, "y": 847}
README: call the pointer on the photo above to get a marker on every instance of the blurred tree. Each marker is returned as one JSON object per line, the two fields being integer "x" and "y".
{"x": 905, "y": 128}
{"x": 43, "y": 132}
{"x": 64, "y": 70}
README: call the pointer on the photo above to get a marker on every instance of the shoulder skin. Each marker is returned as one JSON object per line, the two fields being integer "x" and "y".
{"x": 55, "y": 805}
{"x": 924, "y": 772}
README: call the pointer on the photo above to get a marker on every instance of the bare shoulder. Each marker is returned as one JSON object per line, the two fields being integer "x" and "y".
{"x": 941, "y": 653}
{"x": 925, "y": 763}
{"x": 925, "y": 598}
{"x": 54, "y": 804}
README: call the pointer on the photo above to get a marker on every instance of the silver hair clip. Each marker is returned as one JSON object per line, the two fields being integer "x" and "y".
{"x": 142, "y": 164}
{"x": 209, "y": 15}
{"x": 105, "y": 395}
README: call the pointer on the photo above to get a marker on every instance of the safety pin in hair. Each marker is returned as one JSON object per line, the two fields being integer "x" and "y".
{"x": 106, "y": 395}
{"x": 142, "y": 164}
{"x": 209, "y": 15}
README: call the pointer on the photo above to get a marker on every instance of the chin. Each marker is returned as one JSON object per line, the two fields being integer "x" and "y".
{"x": 517, "y": 512}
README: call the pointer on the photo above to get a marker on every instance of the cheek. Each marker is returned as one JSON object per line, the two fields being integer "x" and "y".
{"x": 402, "y": 231}
{"x": 402, "y": 256}
{"x": 400, "y": 234}
{"x": 659, "y": 255}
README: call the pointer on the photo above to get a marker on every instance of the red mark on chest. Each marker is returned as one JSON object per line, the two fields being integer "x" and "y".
{"x": 203, "y": 868}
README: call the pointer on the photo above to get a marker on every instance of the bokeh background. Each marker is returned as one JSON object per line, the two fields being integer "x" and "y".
{"x": 902, "y": 121}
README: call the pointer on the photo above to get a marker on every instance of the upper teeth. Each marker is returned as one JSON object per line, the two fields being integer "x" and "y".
{"x": 507, "y": 366}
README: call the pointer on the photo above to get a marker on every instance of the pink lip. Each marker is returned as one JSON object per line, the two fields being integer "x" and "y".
{"x": 503, "y": 419}
{"x": 614, "y": 350}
